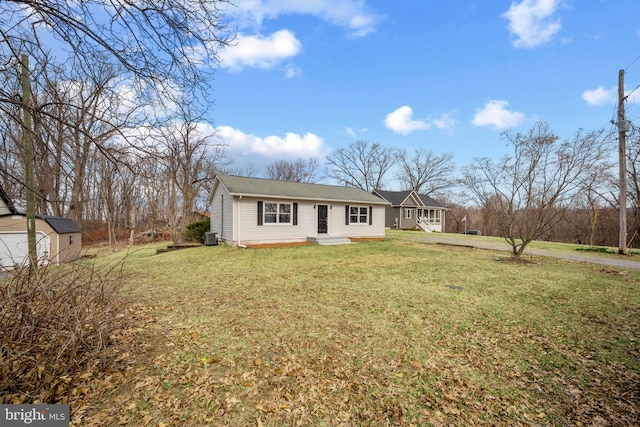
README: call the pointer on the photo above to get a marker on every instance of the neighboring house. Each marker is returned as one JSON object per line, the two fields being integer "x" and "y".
{"x": 408, "y": 210}
{"x": 58, "y": 239}
{"x": 260, "y": 211}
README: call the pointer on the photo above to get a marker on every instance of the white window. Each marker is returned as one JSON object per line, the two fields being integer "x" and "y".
{"x": 358, "y": 215}
{"x": 277, "y": 213}
{"x": 408, "y": 213}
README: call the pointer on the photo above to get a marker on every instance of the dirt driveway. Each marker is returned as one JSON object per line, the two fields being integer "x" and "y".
{"x": 470, "y": 241}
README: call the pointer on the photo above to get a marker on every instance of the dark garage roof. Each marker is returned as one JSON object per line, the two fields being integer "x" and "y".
{"x": 60, "y": 225}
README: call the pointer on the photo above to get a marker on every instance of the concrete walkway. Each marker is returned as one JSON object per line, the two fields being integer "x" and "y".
{"x": 469, "y": 241}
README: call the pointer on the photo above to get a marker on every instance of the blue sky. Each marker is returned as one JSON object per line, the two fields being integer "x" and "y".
{"x": 310, "y": 76}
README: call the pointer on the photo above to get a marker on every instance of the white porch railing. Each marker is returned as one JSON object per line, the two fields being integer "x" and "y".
{"x": 424, "y": 225}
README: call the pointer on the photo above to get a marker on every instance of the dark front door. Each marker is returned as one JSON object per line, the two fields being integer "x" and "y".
{"x": 322, "y": 219}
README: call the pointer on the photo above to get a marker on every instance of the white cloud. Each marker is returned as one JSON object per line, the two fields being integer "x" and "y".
{"x": 446, "y": 121}
{"x": 495, "y": 113}
{"x": 401, "y": 121}
{"x": 353, "y": 133}
{"x": 532, "y": 23}
{"x": 259, "y": 51}
{"x": 600, "y": 96}
{"x": 292, "y": 146}
{"x": 350, "y": 14}
{"x": 292, "y": 70}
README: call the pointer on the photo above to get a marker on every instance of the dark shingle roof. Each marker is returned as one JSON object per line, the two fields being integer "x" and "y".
{"x": 428, "y": 201}
{"x": 398, "y": 198}
{"x": 60, "y": 225}
{"x": 259, "y": 187}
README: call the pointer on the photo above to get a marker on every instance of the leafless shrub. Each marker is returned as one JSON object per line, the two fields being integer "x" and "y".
{"x": 56, "y": 325}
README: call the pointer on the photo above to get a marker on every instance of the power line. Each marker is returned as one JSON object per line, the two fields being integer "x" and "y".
{"x": 629, "y": 94}
{"x": 632, "y": 62}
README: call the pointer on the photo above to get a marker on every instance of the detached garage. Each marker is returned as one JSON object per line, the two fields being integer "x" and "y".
{"x": 58, "y": 239}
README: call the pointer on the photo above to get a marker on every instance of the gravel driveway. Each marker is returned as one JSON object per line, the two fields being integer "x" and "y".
{"x": 469, "y": 241}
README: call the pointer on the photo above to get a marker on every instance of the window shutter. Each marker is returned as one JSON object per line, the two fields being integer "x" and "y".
{"x": 260, "y": 216}
{"x": 346, "y": 215}
{"x": 370, "y": 215}
{"x": 295, "y": 214}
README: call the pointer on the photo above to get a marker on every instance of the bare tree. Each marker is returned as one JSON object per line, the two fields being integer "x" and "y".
{"x": 249, "y": 170}
{"x": 633, "y": 182}
{"x": 300, "y": 171}
{"x": 161, "y": 49}
{"x": 170, "y": 41}
{"x": 189, "y": 157}
{"x": 528, "y": 193}
{"x": 425, "y": 172}
{"x": 362, "y": 165}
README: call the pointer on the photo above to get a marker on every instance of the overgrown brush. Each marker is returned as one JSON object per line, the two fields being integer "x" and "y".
{"x": 56, "y": 325}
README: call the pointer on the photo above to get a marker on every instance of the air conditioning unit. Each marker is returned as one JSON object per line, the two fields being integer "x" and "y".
{"x": 210, "y": 239}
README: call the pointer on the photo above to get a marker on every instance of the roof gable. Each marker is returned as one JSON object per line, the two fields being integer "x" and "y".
{"x": 396, "y": 198}
{"x": 259, "y": 187}
{"x": 6, "y": 205}
{"x": 408, "y": 198}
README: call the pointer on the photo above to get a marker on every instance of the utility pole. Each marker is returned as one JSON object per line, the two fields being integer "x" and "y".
{"x": 623, "y": 126}
{"x": 28, "y": 165}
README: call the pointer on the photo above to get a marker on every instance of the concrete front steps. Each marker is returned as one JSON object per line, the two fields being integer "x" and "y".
{"x": 329, "y": 240}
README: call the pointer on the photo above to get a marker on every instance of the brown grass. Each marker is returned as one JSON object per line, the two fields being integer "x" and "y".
{"x": 379, "y": 333}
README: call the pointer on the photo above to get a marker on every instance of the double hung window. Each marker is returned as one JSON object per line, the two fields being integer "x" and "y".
{"x": 277, "y": 213}
{"x": 358, "y": 215}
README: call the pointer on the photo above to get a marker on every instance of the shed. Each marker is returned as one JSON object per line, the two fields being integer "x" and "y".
{"x": 58, "y": 239}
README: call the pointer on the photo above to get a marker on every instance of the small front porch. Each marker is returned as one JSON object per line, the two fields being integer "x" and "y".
{"x": 429, "y": 220}
{"x": 327, "y": 240}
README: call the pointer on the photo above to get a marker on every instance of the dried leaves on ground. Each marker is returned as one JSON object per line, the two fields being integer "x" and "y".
{"x": 369, "y": 335}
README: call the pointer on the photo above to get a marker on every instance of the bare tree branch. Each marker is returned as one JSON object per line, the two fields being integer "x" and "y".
{"x": 362, "y": 165}
{"x": 527, "y": 194}
{"x": 425, "y": 172}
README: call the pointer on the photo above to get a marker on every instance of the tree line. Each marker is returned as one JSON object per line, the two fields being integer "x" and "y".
{"x": 544, "y": 188}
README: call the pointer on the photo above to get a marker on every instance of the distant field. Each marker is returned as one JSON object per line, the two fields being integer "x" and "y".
{"x": 391, "y": 332}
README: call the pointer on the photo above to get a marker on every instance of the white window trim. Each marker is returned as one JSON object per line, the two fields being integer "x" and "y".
{"x": 277, "y": 214}
{"x": 408, "y": 213}
{"x": 359, "y": 214}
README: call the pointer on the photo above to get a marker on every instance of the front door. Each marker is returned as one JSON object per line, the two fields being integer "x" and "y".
{"x": 322, "y": 219}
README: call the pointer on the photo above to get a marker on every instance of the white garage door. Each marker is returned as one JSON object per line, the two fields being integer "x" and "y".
{"x": 14, "y": 249}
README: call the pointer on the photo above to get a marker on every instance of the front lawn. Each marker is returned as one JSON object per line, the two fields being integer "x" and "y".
{"x": 393, "y": 332}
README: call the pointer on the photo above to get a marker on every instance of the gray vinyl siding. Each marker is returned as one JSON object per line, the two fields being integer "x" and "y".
{"x": 391, "y": 213}
{"x": 234, "y": 208}
{"x": 252, "y": 233}
{"x": 408, "y": 223}
{"x": 222, "y": 214}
